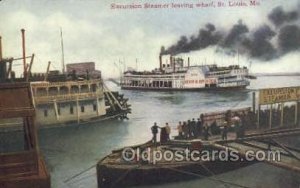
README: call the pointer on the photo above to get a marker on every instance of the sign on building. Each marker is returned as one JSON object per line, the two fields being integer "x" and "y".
{"x": 279, "y": 95}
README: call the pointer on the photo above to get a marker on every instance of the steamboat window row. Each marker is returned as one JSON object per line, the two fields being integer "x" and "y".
{"x": 64, "y": 90}
{"x": 71, "y": 110}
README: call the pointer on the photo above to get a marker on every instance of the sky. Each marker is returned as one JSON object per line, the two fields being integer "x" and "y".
{"x": 117, "y": 39}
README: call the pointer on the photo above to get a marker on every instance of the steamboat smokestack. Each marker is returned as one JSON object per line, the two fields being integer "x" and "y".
{"x": 2, "y": 65}
{"x": 160, "y": 62}
{"x": 1, "y": 48}
{"x": 188, "y": 61}
{"x": 23, "y": 50}
{"x": 171, "y": 61}
{"x": 173, "y": 64}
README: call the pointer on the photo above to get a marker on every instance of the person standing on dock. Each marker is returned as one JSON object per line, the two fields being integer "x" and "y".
{"x": 225, "y": 131}
{"x": 180, "y": 130}
{"x": 193, "y": 129}
{"x": 163, "y": 135}
{"x": 199, "y": 127}
{"x": 202, "y": 119}
{"x": 168, "y": 131}
{"x": 154, "y": 130}
{"x": 185, "y": 130}
{"x": 189, "y": 129}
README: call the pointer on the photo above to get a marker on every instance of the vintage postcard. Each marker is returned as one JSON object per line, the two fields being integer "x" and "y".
{"x": 149, "y": 93}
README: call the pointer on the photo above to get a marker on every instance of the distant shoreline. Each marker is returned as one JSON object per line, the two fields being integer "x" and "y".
{"x": 277, "y": 74}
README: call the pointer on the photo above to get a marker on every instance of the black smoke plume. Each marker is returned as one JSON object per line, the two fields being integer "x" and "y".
{"x": 235, "y": 35}
{"x": 259, "y": 46}
{"x": 289, "y": 38}
{"x": 278, "y": 16}
{"x": 262, "y": 43}
{"x": 206, "y": 37}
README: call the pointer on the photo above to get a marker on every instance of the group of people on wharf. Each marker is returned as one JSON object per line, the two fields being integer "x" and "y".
{"x": 189, "y": 130}
{"x": 237, "y": 122}
{"x": 192, "y": 129}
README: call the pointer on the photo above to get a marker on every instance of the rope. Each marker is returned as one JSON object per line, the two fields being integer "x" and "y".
{"x": 83, "y": 178}
{"x": 76, "y": 175}
{"x": 202, "y": 176}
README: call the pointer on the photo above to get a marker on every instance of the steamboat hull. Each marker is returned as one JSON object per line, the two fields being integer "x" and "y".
{"x": 112, "y": 173}
{"x": 186, "y": 89}
{"x": 107, "y": 175}
{"x": 43, "y": 125}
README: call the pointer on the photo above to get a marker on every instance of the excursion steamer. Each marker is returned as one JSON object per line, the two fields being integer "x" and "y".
{"x": 177, "y": 76}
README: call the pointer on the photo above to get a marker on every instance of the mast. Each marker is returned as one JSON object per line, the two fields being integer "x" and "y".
{"x": 62, "y": 52}
{"x": 238, "y": 53}
{"x": 47, "y": 72}
{"x": 24, "y": 53}
{"x": 1, "y": 48}
{"x": 136, "y": 64}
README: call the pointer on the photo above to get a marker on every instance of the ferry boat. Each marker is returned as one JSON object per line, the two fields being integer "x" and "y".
{"x": 75, "y": 96}
{"x": 177, "y": 76}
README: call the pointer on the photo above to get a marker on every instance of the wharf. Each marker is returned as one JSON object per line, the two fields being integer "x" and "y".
{"x": 23, "y": 167}
{"x": 265, "y": 146}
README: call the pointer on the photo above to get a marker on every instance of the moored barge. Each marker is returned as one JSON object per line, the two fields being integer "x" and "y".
{"x": 114, "y": 171}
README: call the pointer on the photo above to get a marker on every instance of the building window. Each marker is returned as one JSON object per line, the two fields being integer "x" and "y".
{"x": 82, "y": 108}
{"x": 71, "y": 110}
{"x": 94, "y": 107}
{"x": 45, "y": 113}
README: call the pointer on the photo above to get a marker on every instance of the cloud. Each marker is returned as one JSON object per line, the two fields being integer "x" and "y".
{"x": 288, "y": 63}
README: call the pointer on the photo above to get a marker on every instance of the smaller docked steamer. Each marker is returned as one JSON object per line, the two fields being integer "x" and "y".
{"x": 78, "y": 97}
{"x": 75, "y": 96}
{"x": 176, "y": 76}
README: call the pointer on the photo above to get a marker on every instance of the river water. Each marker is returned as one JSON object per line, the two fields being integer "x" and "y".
{"x": 71, "y": 150}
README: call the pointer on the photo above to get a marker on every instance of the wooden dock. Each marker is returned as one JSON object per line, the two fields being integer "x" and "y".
{"x": 24, "y": 168}
{"x": 267, "y": 145}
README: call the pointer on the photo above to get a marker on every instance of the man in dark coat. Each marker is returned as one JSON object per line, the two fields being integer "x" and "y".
{"x": 199, "y": 127}
{"x": 225, "y": 131}
{"x": 154, "y": 130}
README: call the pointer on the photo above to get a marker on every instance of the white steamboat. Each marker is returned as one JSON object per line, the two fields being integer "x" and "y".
{"x": 176, "y": 76}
